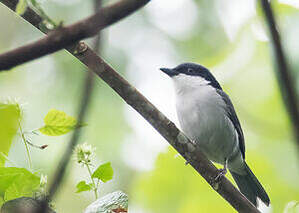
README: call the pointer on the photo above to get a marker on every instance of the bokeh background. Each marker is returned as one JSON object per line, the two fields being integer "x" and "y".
{"x": 229, "y": 37}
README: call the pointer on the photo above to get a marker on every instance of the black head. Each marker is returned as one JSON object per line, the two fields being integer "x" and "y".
{"x": 192, "y": 69}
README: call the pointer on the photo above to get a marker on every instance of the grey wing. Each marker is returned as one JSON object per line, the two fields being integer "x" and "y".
{"x": 234, "y": 119}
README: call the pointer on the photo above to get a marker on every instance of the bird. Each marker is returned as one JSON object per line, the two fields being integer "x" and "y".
{"x": 208, "y": 118}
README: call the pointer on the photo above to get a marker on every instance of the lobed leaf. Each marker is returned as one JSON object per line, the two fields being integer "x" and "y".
{"x": 17, "y": 182}
{"x": 104, "y": 172}
{"x": 82, "y": 186}
{"x": 58, "y": 123}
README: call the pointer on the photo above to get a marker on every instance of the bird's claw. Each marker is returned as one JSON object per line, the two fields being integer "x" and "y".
{"x": 222, "y": 172}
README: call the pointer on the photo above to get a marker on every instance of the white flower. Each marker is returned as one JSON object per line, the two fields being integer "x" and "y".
{"x": 83, "y": 153}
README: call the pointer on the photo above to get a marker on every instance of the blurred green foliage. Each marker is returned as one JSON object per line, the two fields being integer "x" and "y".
{"x": 242, "y": 61}
{"x": 175, "y": 187}
{"x": 16, "y": 183}
{"x": 271, "y": 152}
{"x": 10, "y": 115}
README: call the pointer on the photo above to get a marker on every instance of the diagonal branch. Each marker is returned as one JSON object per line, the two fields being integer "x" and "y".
{"x": 83, "y": 108}
{"x": 63, "y": 37}
{"x": 161, "y": 123}
{"x": 167, "y": 129}
{"x": 284, "y": 75}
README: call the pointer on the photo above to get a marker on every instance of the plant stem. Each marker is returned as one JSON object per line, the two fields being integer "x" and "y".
{"x": 26, "y": 146}
{"x": 39, "y": 10}
{"x": 92, "y": 180}
{"x": 7, "y": 159}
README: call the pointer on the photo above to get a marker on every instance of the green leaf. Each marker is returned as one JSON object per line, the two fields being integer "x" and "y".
{"x": 1, "y": 201}
{"x": 58, "y": 123}
{"x": 12, "y": 192}
{"x": 21, "y": 7}
{"x": 82, "y": 186}
{"x": 17, "y": 182}
{"x": 10, "y": 115}
{"x": 104, "y": 172}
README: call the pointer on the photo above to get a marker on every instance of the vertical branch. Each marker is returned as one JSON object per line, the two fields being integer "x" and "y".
{"x": 85, "y": 100}
{"x": 284, "y": 75}
{"x": 97, "y": 40}
{"x": 161, "y": 123}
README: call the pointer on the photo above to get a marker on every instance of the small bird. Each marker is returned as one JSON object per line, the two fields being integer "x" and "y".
{"x": 207, "y": 116}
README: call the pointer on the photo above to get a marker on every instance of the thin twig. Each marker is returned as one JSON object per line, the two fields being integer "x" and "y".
{"x": 63, "y": 37}
{"x": 26, "y": 146}
{"x": 284, "y": 76}
{"x": 162, "y": 124}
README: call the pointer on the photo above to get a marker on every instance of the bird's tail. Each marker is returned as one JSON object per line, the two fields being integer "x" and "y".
{"x": 251, "y": 187}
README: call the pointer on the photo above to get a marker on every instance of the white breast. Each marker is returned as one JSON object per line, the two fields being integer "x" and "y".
{"x": 201, "y": 113}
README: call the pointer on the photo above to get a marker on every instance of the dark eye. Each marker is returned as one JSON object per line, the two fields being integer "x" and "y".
{"x": 190, "y": 70}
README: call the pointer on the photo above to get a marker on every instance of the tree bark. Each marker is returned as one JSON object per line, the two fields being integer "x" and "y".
{"x": 162, "y": 124}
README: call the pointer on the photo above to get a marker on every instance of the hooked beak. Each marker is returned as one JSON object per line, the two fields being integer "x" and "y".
{"x": 169, "y": 72}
